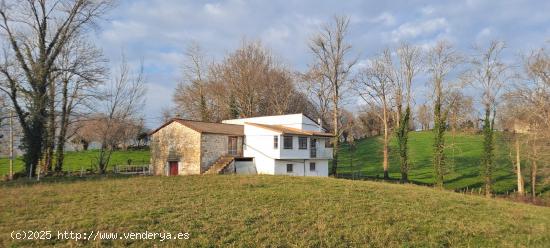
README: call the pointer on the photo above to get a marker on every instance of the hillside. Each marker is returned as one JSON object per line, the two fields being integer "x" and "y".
{"x": 463, "y": 154}
{"x": 74, "y": 161}
{"x": 269, "y": 210}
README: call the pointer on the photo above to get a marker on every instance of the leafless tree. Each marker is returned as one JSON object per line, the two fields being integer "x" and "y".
{"x": 191, "y": 93}
{"x": 318, "y": 91}
{"x": 424, "y": 116}
{"x": 376, "y": 87}
{"x": 368, "y": 116}
{"x": 410, "y": 64}
{"x": 330, "y": 49}
{"x": 36, "y": 32}
{"x": 441, "y": 60}
{"x": 123, "y": 100}
{"x": 488, "y": 74}
{"x": 279, "y": 91}
{"x": 461, "y": 113}
{"x": 79, "y": 71}
{"x": 530, "y": 104}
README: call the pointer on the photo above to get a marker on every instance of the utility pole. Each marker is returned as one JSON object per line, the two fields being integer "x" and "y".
{"x": 11, "y": 144}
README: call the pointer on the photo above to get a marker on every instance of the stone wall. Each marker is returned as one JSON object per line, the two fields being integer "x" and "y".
{"x": 213, "y": 146}
{"x": 186, "y": 144}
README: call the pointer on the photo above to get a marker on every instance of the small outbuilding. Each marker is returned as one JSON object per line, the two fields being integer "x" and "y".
{"x": 186, "y": 147}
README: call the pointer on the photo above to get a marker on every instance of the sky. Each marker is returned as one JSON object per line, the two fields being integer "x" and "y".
{"x": 157, "y": 32}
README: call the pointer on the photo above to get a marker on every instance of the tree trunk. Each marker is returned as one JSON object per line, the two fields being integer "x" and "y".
{"x": 60, "y": 149}
{"x": 336, "y": 141}
{"x": 385, "y": 162}
{"x": 34, "y": 140}
{"x": 439, "y": 143}
{"x": 533, "y": 178}
{"x": 487, "y": 156}
{"x": 50, "y": 137}
{"x": 521, "y": 190}
{"x": 403, "y": 137}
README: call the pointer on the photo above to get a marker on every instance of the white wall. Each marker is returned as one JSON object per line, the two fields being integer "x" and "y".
{"x": 321, "y": 167}
{"x": 268, "y": 160}
{"x": 245, "y": 167}
{"x": 259, "y": 141}
{"x": 298, "y": 121}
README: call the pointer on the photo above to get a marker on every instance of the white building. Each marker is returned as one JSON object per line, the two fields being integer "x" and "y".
{"x": 283, "y": 145}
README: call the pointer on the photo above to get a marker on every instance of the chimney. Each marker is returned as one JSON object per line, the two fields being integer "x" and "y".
{"x": 320, "y": 124}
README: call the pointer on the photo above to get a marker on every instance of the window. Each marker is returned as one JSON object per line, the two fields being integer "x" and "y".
{"x": 302, "y": 143}
{"x": 275, "y": 142}
{"x": 328, "y": 143}
{"x": 287, "y": 142}
{"x": 312, "y": 166}
{"x": 289, "y": 168}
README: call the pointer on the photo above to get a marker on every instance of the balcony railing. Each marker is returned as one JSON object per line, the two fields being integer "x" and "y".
{"x": 321, "y": 153}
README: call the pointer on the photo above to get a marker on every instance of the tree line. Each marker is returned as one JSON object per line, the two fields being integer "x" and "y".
{"x": 55, "y": 80}
{"x": 480, "y": 92}
{"x": 62, "y": 89}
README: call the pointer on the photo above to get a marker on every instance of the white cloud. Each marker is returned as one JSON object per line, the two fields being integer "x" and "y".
{"x": 427, "y": 10}
{"x": 484, "y": 34}
{"x": 384, "y": 18}
{"x": 159, "y": 30}
{"x": 213, "y": 9}
{"x": 411, "y": 30}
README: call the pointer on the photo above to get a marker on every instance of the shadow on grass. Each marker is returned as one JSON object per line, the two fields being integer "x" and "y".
{"x": 379, "y": 179}
{"x": 63, "y": 179}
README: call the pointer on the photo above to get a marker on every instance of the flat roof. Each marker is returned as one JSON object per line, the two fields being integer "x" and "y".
{"x": 289, "y": 130}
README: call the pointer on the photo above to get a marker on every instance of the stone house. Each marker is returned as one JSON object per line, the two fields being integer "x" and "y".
{"x": 293, "y": 145}
{"x": 185, "y": 147}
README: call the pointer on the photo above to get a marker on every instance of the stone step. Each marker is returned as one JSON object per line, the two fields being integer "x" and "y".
{"x": 219, "y": 165}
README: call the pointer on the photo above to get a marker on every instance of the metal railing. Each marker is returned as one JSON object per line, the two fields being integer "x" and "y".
{"x": 143, "y": 169}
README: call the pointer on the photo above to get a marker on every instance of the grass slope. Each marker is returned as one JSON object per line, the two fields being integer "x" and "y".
{"x": 463, "y": 155}
{"x": 268, "y": 211}
{"x": 75, "y": 160}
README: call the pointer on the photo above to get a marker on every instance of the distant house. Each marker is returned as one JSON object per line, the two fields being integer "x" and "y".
{"x": 277, "y": 145}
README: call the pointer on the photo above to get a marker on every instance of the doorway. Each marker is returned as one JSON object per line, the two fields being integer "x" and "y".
{"x": 313, "y": 148}
{"x": 232, "y": 146}
{"x": 174, "y": 170}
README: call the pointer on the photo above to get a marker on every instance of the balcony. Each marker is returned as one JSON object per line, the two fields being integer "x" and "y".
{"x": 323, "y": 153}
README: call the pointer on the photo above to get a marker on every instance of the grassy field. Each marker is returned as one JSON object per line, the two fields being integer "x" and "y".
{"x": 74, "y": 161}
{"x": 463, "y": 155}
{"x": 268, "y": 211}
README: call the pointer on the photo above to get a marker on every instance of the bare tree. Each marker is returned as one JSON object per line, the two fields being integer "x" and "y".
{"x": 424, "y": 116}
{"x": 529, "y": 103}
{"x": 331, "y": 50}
{"x": 461, "y": 113}
{"x": 36, "y": 33}
{"x": 375, "y": 86}
{"x": 514, "y": 119}
{"x": 368, "y": 116}
{"x": 247, "y": 82}
{"x": 442, "y": 59}
{"x": 191, "y": 93}
{"x": 80, "y": 70}
{"x": 124, "y": 98}
{"x": 318, "y": 91}
{"x": 410, "y": 59}
{"x": 488, "y": 74}
{"x": 279, "y": 91}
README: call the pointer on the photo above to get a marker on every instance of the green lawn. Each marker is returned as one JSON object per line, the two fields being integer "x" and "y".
{"x": 263, "y": 211}
{"x": 74, "y": 161}
{"x": 463, "y": 155}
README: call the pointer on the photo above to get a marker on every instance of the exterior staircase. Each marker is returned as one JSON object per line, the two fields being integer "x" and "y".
{"x": 220, "y": 164}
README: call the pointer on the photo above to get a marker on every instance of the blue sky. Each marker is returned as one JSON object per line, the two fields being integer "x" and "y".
{"x": 158, "y": 31}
